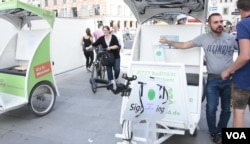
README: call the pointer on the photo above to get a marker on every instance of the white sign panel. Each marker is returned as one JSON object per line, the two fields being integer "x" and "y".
{"x": 175, "y": 84}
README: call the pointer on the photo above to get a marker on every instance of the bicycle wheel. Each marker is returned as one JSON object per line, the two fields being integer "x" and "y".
{"x": 102, "y": 72}
{"x": 42, "y": 98}
{"x": 93, "y": 85}
{"x": 94, "y": 70}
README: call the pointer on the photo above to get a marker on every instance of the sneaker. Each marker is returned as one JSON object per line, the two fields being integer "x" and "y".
{"x": 114, "y": 84}
{"x": 88, "y": 69}
{"x": 116, "y": 80}
{"x": 216, "y": 138}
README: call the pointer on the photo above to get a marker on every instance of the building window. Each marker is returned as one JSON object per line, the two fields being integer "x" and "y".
{"x": 55, "y": 2}
{"x": 56, "y": 12}
{"x": 46, "y": 3}
{"x": 74, "y": 11}
{"x": 114, "y": 10}
{"x": 120, "y": 10}
{"x": 225, "y": 11}
{"x": 64, "y": 1}
{"x": 85, "y": 11}
{"x": 96, "y": 9}
{"x": 64, "y": 12}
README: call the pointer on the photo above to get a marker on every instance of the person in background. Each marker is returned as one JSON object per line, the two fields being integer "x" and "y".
{"x": 127, "y": 34}
{"x": 118, "y": 35}
{"x": 98, "y": 33}
{"x": 181, "y": 19}
{"x": 87, "y": 41}
{"x": 219, "y": 48}
{"x": 240, "y": 69}
{"x": 110, "y": 43}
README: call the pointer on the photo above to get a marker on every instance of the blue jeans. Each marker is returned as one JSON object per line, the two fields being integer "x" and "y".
{"x": 116, "y": 67}
{"x": 217, "y": 88}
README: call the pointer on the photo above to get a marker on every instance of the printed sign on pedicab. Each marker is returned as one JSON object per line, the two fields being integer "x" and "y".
{"x": 148, "y": 99}
{"x": 173, "y": 76}
{"x": 42, "y": 69}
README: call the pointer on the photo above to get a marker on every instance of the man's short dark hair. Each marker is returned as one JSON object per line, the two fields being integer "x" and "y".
{"x": 243, "y": 4}
{"x": 210, "y": 16}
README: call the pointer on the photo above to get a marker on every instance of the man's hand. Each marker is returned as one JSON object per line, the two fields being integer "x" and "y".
{"x": 163, "y": 40}
{"x": 225, "y": 75}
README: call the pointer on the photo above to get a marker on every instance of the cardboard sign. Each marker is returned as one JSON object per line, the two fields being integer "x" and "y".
{"x": 148, "y": 99}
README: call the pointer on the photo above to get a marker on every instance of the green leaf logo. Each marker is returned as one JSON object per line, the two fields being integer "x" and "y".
{"x": 151, "y": 94}
{"x": 158, "y": 53}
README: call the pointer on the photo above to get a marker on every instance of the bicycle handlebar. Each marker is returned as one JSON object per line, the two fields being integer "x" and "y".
{"x": 121, "y": 88}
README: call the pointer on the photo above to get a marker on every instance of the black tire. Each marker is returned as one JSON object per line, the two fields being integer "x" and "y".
{"x": 204, "y": 90}
{"x": 93, "y": 85}
{"x": 42, "y": 98}
{"x": 94, "y": 71}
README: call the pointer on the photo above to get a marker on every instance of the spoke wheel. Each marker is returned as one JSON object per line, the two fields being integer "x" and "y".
{"x": 42, "y": 98}
{"x": 102, "y": 72}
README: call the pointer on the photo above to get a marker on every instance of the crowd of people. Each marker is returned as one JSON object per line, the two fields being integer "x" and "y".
{"x": 106, "y": 38}
{"x": 227, "y": 79}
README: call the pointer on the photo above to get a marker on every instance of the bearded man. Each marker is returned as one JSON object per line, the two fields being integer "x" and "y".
{"x": 219, "y": 48}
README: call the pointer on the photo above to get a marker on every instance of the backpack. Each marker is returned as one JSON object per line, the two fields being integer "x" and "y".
{"x": 107, "y": 58}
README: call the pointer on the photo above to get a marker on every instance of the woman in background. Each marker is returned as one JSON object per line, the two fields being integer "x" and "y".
{"x": 87, "y": 41}
{"x": 110, "y": 43}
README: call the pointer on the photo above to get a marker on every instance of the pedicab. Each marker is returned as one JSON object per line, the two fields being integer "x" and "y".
{"x": 181, "y": 70}
{"x": 26, "y": 73}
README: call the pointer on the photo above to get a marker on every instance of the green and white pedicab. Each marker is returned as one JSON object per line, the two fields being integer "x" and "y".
{"x": 145, "y": 117}
{"x": 26, "y": 73}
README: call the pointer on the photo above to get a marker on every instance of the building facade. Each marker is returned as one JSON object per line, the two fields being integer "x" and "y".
{"x": 102, "y": 11}
{"x": 108, "y": 11}
{"x": 226, "y": 8}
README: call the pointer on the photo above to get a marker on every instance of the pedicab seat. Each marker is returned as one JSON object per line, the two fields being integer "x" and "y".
{"x": 14, "y": 70}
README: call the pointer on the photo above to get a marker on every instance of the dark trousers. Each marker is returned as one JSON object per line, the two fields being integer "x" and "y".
{"x": 89, "y": 55}
{"x": 218, "y": 89}
{"x": 116, "y": 68}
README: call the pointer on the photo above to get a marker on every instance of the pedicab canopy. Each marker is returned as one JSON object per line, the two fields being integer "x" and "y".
{"x": 19, "y": 13}
{"x": 166, "y": 10}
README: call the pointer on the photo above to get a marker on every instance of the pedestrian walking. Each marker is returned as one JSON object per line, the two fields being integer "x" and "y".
{"x": 87, "y": 41}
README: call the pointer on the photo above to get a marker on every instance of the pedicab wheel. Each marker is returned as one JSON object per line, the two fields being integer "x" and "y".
{"x": 42, "y": 98}
{"x": 204, "y": 90}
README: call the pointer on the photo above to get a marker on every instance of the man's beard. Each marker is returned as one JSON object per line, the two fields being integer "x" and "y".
{"x": 218, "y": 30}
